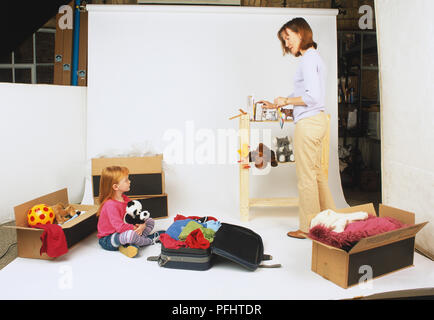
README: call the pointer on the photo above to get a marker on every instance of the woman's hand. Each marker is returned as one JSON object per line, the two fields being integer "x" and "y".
{"x": 139, "y": 228}
{"x": 281, "y": 101}
{"x": 267, "y": 105}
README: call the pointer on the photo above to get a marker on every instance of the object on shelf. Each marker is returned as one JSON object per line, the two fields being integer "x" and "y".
{"x": 242, "y": 112}
{"x": 251, "y": 107}
{"x": 258, "y": 111}
{"x": 269, "y": 114}
{"x": 284, "y": 149}
{"x": 288, "y": 113}
{"x": 373, "y": 129}
{"x": 262, "y": 156}
{"x": 352, "y": 119}
{"x": 244, "y": 154}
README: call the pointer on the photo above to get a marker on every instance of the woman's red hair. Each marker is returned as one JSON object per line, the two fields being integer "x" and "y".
{"x": 300, "y": 26}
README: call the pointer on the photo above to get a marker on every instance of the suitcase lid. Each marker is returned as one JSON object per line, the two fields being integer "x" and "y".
{"x": 238, "y": 244}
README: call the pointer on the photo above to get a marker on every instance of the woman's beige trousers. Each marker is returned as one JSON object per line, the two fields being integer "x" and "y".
{"x": 312, "y": 183}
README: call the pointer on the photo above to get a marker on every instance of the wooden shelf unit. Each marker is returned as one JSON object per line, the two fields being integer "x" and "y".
{"x": 245, "y": 201}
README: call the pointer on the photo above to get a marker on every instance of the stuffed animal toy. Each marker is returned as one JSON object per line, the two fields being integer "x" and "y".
{"x": 262, "y": 156}
{"x": 134, "y": 214}
{"x": 63, "y": 212}
{"x": 284, "y": 150}
{"x": 287, "y": 113}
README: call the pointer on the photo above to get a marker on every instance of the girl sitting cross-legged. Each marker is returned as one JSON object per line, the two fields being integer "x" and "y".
{"x": 113, "y": 233}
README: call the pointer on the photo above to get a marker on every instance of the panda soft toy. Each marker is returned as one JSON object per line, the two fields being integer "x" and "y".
{"x": 134, "y": 214}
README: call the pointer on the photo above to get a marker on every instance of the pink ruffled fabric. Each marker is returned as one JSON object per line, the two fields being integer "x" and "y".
{"x": 355, "y": 231}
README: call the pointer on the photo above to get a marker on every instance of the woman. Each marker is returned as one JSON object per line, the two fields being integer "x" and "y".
{"x": 310, "y": 121}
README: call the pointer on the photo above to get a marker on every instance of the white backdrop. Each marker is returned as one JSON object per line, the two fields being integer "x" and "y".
{"x": 171, "y": 76}
{"x": 43, "y": 137}
{"x": 407, "y": 106}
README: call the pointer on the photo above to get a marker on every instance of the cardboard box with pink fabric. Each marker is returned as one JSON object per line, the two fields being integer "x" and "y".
{"x": 354, "y": 244}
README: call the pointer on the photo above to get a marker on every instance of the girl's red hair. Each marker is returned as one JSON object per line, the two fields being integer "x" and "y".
{"x": 109, "y": 177}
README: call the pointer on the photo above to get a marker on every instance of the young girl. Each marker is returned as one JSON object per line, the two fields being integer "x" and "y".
{"x": 113, "y": 233}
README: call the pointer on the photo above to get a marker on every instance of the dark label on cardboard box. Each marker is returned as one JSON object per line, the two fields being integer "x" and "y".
{"x": 381, "y": 260}
{"x": 81, "y": 230}
{"x": 141, "y": 184}
{"x": 157, "y": 206}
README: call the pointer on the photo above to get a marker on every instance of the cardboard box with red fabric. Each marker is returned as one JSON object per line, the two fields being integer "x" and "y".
{"x": 353, "y": 244}
{"x": 48, "y": 226}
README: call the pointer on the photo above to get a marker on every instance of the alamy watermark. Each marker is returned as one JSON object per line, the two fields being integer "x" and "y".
{"x": 204, "y": 146}
{"x": 365, "y": 281}
{"x": 366, "y": 21}
{"x": 66, "y": 279}
{"x": 66, "y": 19}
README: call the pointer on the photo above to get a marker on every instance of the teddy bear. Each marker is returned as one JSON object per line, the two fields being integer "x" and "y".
{"x": 134, "y": 214}
{"x": 262, "y": 156}
{"x": 284, "y": 150}
{"x": 63, "y": 212}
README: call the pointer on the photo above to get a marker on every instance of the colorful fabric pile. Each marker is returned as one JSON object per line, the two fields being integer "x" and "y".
{"x": 190, "y": 232}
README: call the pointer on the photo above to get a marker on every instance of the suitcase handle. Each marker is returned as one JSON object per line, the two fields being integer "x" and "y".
{"x": 277, "y": 265}
{"x": 266, "y": 257}
{"x": 161, "y": 261}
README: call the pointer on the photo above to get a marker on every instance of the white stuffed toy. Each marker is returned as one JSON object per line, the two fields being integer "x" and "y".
{"x": 134, "y": 214}
{"x": 336, "y": 221}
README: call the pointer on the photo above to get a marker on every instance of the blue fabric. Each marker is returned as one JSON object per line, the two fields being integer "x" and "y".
{"x": 211, "y": 224}
{"x": 176, "y": 227}
{"x": 107, "y": 244}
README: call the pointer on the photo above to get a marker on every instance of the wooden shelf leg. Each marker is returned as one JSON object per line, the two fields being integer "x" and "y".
{"x": 244, "y": 134}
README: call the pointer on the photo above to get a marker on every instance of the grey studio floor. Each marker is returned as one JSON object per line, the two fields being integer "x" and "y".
{"x": 88, "y": 272}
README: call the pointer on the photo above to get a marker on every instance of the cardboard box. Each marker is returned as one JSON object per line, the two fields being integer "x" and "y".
{"x": 28, "y": 239}
{"x": 147, "y": 181}
{"x": 384, "y": 253}
{"x": 156, "y": 205}
{"x": 146, "y": 174}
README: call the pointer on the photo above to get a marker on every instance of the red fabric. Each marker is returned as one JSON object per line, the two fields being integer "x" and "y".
{"x": 171, "y": 243}
{"x": 196, "y": 240}
{"x": 355, "y": 231}
{"x": 181, "y": 217}
{"x": 53, "y": 240}
{"x": 374, "y": 225}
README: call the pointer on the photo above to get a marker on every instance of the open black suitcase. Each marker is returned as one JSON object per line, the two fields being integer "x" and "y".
{"x": 238, "y": 244}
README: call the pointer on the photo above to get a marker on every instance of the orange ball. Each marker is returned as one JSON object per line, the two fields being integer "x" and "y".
{"x": 40, "y": 213}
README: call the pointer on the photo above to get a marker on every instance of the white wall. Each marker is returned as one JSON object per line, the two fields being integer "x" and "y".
{"x": 43, "y": 143}
{"x": 405, "y": 32}
{"x": 166, "y": 71}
